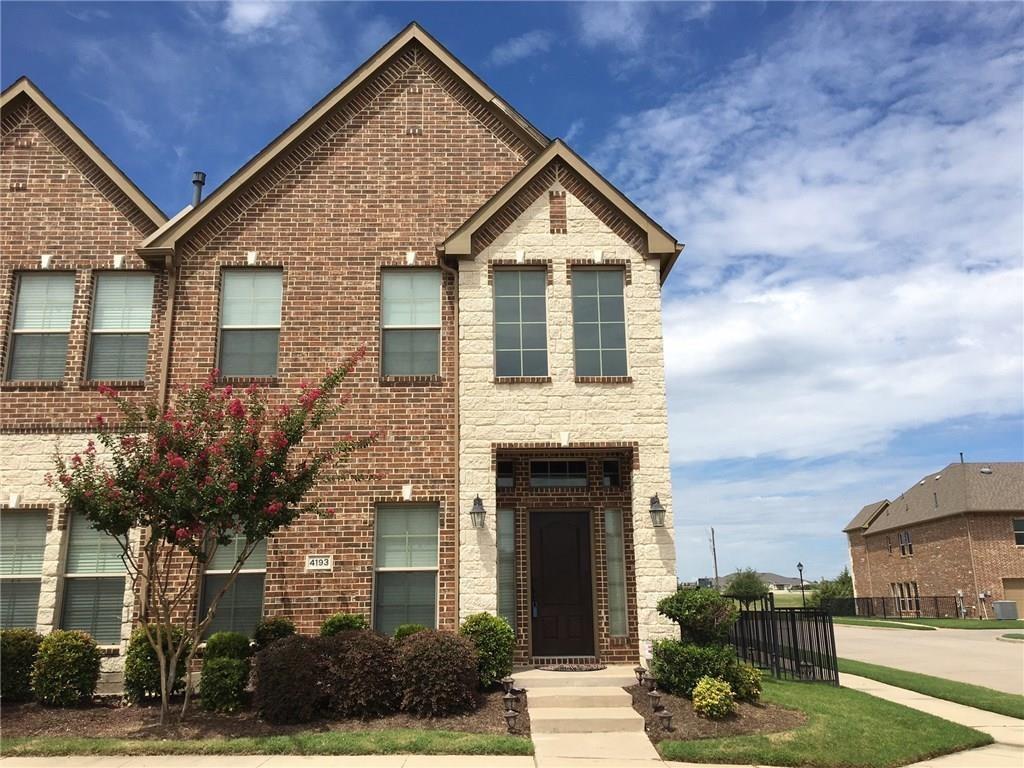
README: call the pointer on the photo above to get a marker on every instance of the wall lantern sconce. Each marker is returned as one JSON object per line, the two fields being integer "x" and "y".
{"x": 657, "y": 512}
{"x": 477, "y": 513}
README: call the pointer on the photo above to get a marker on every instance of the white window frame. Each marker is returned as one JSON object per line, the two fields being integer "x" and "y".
{"x": 439, "y": 327}
{"x": 221, "y": 327}
{"x": 93, "y": 331}
{"x": 506, "y": 512}
{"x": 607, "y": 568}
{"x": 15, "y": 331}
{"x": 1018, "y": 536}
{"x": 436, "y": 569}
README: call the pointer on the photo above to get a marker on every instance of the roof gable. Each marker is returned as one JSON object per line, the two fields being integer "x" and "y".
{"x": 658, "y": 242}
{"x": 308, "y": 124}
{"x": 866, "y": 516}
{"x": 23, "y": 88}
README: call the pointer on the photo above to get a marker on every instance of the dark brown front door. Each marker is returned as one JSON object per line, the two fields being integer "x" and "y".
{"x": 560, "y": 580}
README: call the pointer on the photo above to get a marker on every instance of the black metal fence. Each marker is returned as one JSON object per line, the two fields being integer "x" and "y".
{"x": 897, "y": 607}
{"x": 793, "y": 643}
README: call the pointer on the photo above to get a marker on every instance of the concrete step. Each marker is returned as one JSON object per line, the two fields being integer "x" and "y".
{"x": 612, "y": 677}
{"x": 582, "y": 697}
{"x": 598, "y": 749}
{"x": 587, "y": 720}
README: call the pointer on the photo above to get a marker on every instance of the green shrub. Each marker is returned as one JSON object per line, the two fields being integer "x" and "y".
{"x": 227, "y": 645}
{"x": 270, "y": 629}
{"x": 67, "y": 668}
{"x": 678, "y": 666}
{"x": 402, "y": 631}
{"x": 362, "y": 679}
{"x": 222, "y": 683}
{"x": 342, "y": 622}
{"x": 18, "y": 649}
{"x": 141, "y": 667}
{"x": 745, "y": 681}
{"x": 712, "y": 698}
{"x": 494, "y": 640}
{"x": 289, "y": 680}
{"x": 704, "y": 616}
{"x": 438, "y": 673}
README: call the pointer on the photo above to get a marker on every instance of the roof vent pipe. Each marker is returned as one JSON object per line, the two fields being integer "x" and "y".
{"x": 198, "y": 180}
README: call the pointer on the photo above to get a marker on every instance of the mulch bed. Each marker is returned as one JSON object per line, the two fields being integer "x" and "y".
{"x": 108, "y": 717}
{"x": 686, "y": 724}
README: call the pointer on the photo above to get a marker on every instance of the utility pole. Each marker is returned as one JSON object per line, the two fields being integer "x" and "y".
{"x": 714, "y": 559}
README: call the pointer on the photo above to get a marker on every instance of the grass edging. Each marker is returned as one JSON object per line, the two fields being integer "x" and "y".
{"x": 969, "y": 695}
{"x": 852, "y": 622}
{"x": 394, "y": 742}
{"x": 845, "y": 728}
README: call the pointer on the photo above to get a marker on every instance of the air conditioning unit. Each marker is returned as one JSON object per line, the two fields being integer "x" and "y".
{"x": 1005, "y": 610}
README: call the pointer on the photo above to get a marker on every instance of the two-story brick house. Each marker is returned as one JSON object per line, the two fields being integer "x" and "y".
{"x": 509, "y": 299}
{"x": 958, "y": 531}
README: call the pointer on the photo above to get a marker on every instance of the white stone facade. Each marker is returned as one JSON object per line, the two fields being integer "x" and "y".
{"x": 25, "y": 460}
{"x": 526, "y": 413}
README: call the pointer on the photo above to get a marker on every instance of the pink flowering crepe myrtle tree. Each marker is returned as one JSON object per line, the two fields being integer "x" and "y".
{"x": 215, "y": 465}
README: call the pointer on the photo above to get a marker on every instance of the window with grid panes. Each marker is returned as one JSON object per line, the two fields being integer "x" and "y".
{"x": 599, "y": 322}
{"x": 520, "y": 323}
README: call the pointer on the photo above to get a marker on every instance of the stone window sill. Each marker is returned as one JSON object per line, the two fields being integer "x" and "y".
{"x": 522, "y": 379}
{"x": 604, "y": 379}
{"x": 32, "y": 386}
{"x": 259, "y": 381}
{"x": 411, "y": 381}
{"x": 89, "y": 384}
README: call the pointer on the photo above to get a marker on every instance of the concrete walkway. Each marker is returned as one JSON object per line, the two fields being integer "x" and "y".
{"x": 965, "y": 655}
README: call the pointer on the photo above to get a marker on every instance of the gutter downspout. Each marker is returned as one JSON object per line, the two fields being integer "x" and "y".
{"x": 458, "y": 434}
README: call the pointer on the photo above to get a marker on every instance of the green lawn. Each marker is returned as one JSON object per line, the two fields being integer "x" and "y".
{"x": 1014, "y": 635}
{"x": 310, "y": 743}
{"x": 789, "y": 599}
{"x": 879, "y": 623}
{"x": 962, "y": 693}
{"x": 846, "y": 729}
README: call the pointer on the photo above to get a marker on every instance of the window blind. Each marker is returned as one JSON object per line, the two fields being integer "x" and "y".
{"x": 22, "y": 541}
{"x": 19, "y": 603}
{"x": 404, "y": 597}
{"x": 119, "y": 343}
{"x": 407, "y": 537}
{"x": 507, "y": 565}
{"x": 616, "y": 556}
{"x": 241, "y": 607}
{"x": 94, "y": 605}
{"x": 250, "y": 318}
{"x": 91, "y": 551}
{"x": 411, "y": 321}
{"x": 225, "y": 556}
{"x": 42, "y": 319}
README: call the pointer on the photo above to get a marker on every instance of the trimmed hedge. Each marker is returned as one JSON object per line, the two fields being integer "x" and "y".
{"x": 142, "y": 668}
{"x": 222, "y": 683}
{"x": 712, "y": 698}
{"x": 438, "y": 671}
{"x": 403, "y": 631}
{"x": 290, "y": 676}
{"x": 227, "y": 645}
{"x": 361, "y": 676}
{"x": 270, "y": 629}
{"x": 494, "y": 641}
{"x": 343, "y": 622}
{"x": 18, "y": 649}
{"x": 66, "y": 669}
{"x": 679, "y": 666}
{"x": 703, "y": 615}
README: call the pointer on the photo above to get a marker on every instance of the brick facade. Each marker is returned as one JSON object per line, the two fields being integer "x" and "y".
{"x": 972, "y": 553}
{"x": 376, "y": 183}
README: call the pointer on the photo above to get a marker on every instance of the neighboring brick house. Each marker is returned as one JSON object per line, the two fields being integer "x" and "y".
{"x": 959, "y": 531}
{"x": 510, "y": 302}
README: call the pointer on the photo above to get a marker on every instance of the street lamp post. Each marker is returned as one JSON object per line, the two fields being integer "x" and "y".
{"x": 803, "y": 600}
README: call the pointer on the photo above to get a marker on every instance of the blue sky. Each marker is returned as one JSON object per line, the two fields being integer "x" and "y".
{"x": 847, "y": 315}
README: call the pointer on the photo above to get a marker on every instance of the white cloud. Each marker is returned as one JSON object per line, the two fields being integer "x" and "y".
{"x": 521, "y": 47}
{"x": 629, "y": 26}
{"x": 851, "y": 196}
{"x": 575, "y": 129}
{"x": 245, "y": 17}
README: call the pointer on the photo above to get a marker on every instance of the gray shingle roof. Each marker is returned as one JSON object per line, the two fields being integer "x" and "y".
{"x": 958, "y": 488}
{"x": 863, "y": 518}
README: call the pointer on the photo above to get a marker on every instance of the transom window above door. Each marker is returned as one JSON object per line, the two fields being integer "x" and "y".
{"x": 558, "y": 474}
{"x": 410, "y": 302}
{"x": 520, "y": 323}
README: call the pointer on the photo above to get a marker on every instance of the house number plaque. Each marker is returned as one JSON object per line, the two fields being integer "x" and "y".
{"x": 319, "y": 562}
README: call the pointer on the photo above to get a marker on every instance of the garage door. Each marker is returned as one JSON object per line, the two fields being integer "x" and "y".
{"x": 1013, "y": 589}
